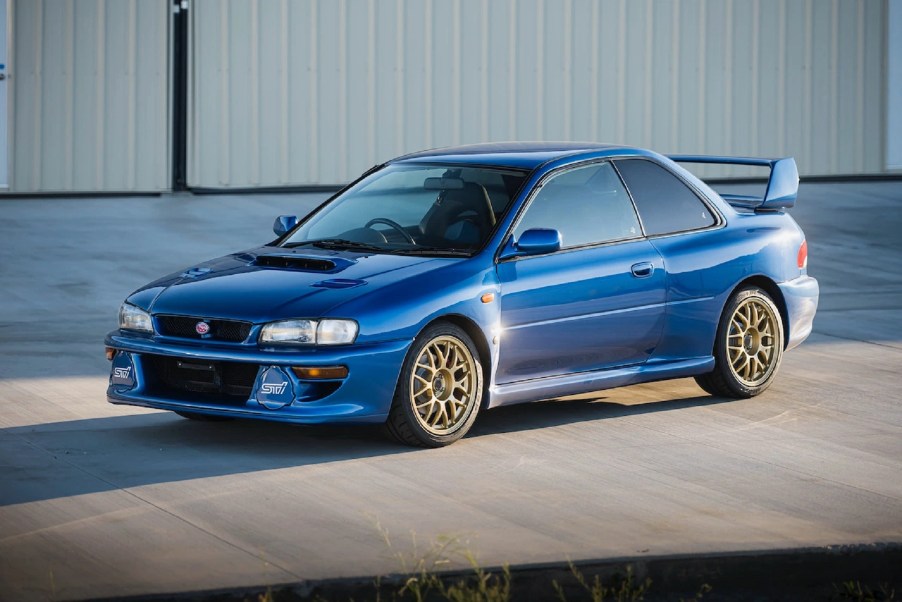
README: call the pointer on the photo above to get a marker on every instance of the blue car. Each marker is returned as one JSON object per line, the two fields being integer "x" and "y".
{"x": 450, "y": 281}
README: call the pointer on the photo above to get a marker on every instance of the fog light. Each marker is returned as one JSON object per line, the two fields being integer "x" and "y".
{"x": 110, "y": 353}
{"x": 320, "y": 372}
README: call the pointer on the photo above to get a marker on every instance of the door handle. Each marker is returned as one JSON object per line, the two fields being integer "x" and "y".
{"x": 642, "y": 270}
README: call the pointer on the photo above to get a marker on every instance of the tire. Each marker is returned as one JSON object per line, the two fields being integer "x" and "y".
{"x": 439, "y": 390}
{"x": 204, "y": 417}
{"x": 749, "y": 346}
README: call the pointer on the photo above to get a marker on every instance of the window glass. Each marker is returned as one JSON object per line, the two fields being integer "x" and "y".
{"x": 665, "y": 203}
{"x": 414, "y": 208}
{"x": 586, "y": 205}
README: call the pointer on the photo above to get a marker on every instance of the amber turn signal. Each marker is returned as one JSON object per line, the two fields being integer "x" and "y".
{"x": 487, "y": 297}
{"x": 320, "y": 373}
{"x": 110, "y": 353}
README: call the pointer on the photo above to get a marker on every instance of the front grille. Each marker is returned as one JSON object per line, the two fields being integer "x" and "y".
{"x": 221, "y": 330}
{"x": 230, "y": 383}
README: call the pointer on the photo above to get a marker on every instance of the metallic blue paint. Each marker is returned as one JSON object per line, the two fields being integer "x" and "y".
{"x": 562, "y": 322}
{"x": 782, "y": 184}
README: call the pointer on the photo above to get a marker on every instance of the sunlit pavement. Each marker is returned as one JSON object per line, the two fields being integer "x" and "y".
{"x": 99, "y": 500}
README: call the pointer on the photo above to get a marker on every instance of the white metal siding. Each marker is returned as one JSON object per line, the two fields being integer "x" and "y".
{"x": 315, "y": 91}
{"x": 90, "y": 86}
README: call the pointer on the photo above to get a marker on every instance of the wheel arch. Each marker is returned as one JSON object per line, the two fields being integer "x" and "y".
{"x": 771, "y": 288}
{"x": 482, "y": 346}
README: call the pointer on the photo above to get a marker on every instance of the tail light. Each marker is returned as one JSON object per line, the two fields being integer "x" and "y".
{"x": 803, "y": 255}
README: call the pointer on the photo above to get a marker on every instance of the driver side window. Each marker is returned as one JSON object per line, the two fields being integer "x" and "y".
{"x": 587, "y": 205}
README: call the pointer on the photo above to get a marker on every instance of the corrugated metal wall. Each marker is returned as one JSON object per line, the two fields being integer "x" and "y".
{"x": 90, "y": 90}
{"x": 287, "y": 92}
{"x": 315, "y": 91}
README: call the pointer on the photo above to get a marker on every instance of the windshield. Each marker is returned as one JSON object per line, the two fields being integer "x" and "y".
{"x": 415, "y": 209}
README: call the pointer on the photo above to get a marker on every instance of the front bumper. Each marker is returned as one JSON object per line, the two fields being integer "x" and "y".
{"x": 800, "y": 295}
{"x": 275, "y": 391}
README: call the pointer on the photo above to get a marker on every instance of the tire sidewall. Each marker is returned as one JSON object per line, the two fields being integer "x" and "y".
{"x": 402, "y": 401}
{"x": 721, "y": 354}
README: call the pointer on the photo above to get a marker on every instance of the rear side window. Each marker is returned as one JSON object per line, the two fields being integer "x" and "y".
{"x": 666, "y": 205}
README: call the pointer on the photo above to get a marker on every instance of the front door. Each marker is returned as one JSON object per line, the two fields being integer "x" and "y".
{"x": 598, "y": 302}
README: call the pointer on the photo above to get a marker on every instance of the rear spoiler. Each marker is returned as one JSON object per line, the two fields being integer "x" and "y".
{"x": 782, "y": 185}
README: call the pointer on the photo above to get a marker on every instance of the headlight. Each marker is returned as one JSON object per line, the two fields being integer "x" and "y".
{"x": 133, "y": 318}
{"x": 336, "y": 332}
{"x": 310, "y": 332}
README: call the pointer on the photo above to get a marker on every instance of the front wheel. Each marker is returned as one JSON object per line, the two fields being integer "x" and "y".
{"x": 439, "y": 391}
{"x": 749, "y": 346}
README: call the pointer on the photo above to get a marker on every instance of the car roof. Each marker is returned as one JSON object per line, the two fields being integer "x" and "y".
{"x": 521, "y": 155}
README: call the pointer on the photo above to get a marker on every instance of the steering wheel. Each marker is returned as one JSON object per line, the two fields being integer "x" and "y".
{"x": 394, "y": 226}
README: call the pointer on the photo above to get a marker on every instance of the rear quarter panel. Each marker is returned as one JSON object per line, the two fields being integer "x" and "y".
{"x": 703, "y": 268}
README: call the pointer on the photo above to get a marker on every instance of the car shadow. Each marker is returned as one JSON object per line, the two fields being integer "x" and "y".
{"x": 562, "y": 411}
{"x": 62, "y": 459}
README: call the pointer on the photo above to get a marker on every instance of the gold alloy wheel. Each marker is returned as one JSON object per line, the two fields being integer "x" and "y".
{"x": 443, "y": 385}
{"x": 751, "y": 341}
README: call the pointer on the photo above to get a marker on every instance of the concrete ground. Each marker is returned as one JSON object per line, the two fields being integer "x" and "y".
{"x": 99, "y": 500}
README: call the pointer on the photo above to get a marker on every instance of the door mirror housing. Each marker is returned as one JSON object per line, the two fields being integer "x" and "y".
{"x": 284, "y": 223}
{"x": 535, "y": 241}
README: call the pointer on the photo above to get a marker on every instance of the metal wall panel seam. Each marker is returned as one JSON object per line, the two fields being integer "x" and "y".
{"x": 594, "y": 62}
{"x": 674, "y": 75}
{"x": 371, "y": 77}
{"x": 38, "y": 95}
{"x": 101, "y": 97}
{"x": 756, "y": 100}
{"x": 730, "y": 27}
{"x": 834, "y": 85}
{"x": 649, "y": 82}
{"x": 808, "y": 123}
{"x": 313, "y": 79}
{"x": 484, "y": 75}
{"x": 68, "y": 136}
{"x": 399, "y": 78}
{"x": 225, "y": 105}
{"x": 342, "y": 91}
{"x": 621, "y": 74}
{"x": 254, "y": 61}
{"x": 568, "y": 68}
{"x": 512, "y": 71}
{"x": 284, "y": 94}
{"x": 427, "y": 76}
{"x": 702, "y": 70}
{"x": 455, "y": 72}
{"x": 781, "y": 80}
{"x": 539, "y": 83}
{"x": 132, "y": 76}
{"x": 859, "y": 87}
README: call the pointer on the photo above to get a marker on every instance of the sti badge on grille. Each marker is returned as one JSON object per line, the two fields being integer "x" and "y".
{"x": 202, "y": 328}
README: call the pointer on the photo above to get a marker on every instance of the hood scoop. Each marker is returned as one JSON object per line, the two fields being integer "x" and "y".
{"x": 298, "y": 262}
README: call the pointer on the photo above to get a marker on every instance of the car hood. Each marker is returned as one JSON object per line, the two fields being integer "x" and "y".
{"x": 272, "y": 283}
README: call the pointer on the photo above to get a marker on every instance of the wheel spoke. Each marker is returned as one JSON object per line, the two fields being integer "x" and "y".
{"x": 442, "y": 385}
{"x": 751, "y": 340}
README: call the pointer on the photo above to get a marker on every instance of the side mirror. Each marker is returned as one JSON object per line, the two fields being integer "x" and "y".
{"x": 284, "y": 223}
{"x": 535, "y": 241}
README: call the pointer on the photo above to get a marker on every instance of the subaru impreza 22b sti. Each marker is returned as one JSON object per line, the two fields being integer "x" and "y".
{"x": 449, "y": 281}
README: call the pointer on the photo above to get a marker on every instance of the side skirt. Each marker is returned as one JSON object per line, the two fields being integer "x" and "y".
{"x": 586, "y": 382}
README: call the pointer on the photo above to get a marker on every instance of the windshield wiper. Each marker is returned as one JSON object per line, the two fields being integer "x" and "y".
{"x": 337, "y": 243}
{"x": 437, "y": 251}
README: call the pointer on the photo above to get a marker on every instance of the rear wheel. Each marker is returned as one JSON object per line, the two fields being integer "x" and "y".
{"x": 439, "y": 391}
{"x": 749, "y": 346}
